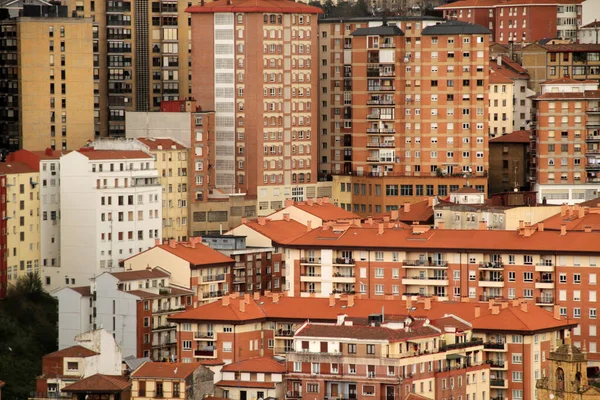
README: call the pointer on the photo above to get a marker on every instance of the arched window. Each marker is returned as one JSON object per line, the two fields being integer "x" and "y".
{"x": 560, "y": 379}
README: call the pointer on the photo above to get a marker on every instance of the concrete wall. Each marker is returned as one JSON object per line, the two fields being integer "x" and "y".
{"x": 157, "y": 257}
{"x": 176, "y": 125}
{"x": 73, "y": 316}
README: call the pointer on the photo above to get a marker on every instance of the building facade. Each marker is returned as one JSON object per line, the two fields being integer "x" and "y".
{"x": 48, "y": 96}
{"x": 111, "y": 208}
{"x": 520, "y": 21}
{"x": 510, "y": 158}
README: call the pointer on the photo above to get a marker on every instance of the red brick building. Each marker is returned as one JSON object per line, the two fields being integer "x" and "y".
{"x": 520, "y": 20}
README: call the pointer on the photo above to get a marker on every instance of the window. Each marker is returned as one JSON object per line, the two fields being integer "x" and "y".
{"x": 370, "y": 349}
{"x": 517, "y": 358}
{"x": 577, "y": 278}
{"x": 351, "y": 348}
{"x": 72, "y": 366}
{"x": 312, "y": 388}
{"x": 368, "y": 390}
{"x": 517, "y": 376}
{"x": 527, "y": 276}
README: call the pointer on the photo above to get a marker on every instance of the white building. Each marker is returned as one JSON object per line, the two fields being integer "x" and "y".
{"x": 589, "y": 34}
{"x": 111, "y": 208}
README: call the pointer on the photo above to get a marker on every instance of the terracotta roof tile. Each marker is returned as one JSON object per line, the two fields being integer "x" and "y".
{"x": 83, "y": 290}
{"x": 164, "y": 143}
{"x": 467, "y": 190}
{"x": 594, "y": 24}
{"x": 140, "y": 274}
{"x": 94, "y": 154}
{"x": 572, "y": 220}
{"x": 99, "y": 384}
{"x": 16, "y": 168}
{"x": 50, "y": 154}
{"x": 216, "y": 311}
{"x": 420, "y": 211}
{"x": 256, "y": 364}
{"x": 247, "y": 384}
{"x": 588, "y": 94}
{"x": 73, "y": 351}
{"x": 515, "y": 319}
{"x": 565, "y": 80}
{"x": 559, "y": 48}
{"x": 513, "y": 137}
{"x": 165, "y": 370}
{"x": 326, "y": 211}
{"x": 414, "y": 396}
{"x": 198, "y": 255}
{"x": 277, "y": 230}
{"x": 254, "y": 6}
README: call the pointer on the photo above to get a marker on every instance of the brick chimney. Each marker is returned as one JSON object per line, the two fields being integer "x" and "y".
{"x": 192, "y": 243}
{"x": 350, "y": 300}
{"x": 394, "y": 214}
{"x": 275, "y": 298}
{"x": 320, "y": 201}
{"x": 172, "y": 243}
{"x": 556, "y": 310}
{"x": 587, "y": 228}
{"x": 504, "y": 304}
{"x": 325, "y": 200}
{"x": 580, "y": 212}
{"x": 521, "y": 224}
{"x": 244, "y": 220}
{"x": 430, "y": 201}
{"x": 563, "y": 229}
{"x": 380, "y": 229}
{"x": 563, "y": 210}
{"x": 242, "y": 306}
{"x": 524, "y": 306}
{"x": 477, "y": 311}
{"x": 406, "y": 207}
{"x": 157, "y": 242}
{"x": 370, "y": 221}
{"x": 310, "y": 202}
{"x": 262, "y": 221}
{"x": 516, "y": 302}
{"x": 495, "y": 310}
{"x": 286, "y": 216}
{"x": 256, "y": 296}
{"x": 331, "y": 300}
{"x": 308, "y": 226}
{"x": 540, "y": 227}
{"x": 247, "y": 298}
{"x": 225, "y": 301}
{"x": 289, "y": 202}
{"x": 427, "y": 303}
{"x": 440, "y": 225}
{"x": 482, "y": 226}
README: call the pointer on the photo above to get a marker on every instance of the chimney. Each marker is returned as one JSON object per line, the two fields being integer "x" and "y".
{"x": 244, "y": 220}
{"x": 563, "y": 210}
{"x": 580, "y": 212}
{"x": 540, "y": 227}
{"x": 510, "y": 50}
{"x": 482, "y": 226}
{"x": 524, "y": 306}
{"x": 262, "y": 221}
{"x": 256, "y": 296}
{"x": 289, "y": 202}
{"x": 477, "y": 311}
{"x": 310, "y": 202}
{"x": 247, "y": 298}
{"x": 521, "y": 224}
{"x": 380, "y": 229}
{"x": 394, "y": 214}
{"x": 157, "y": 242}
{"x": 331, "y": 300}
{"x": 563, "y": 229}
{"x": 499, "y": 61}
{"x": 286, "y": 216}
{"x": 275, "y": 298}
{"x": 370, "y": 221}
{"x": 427, "y": 303}
{"x": 350, "y": 300}
{"x": 430, "y": 201}
{"x": 320, "y": 201}
{"x": 515, "y": 302}
{"x": 490, "y": 303}
{"x": 225, "y": 301}
{"x": 386, "y": 218}
{"x": 308, "y": 226}
{"x": 48, "y": 151}
{"x": 556, "y": 310}
{"x": 441, "y": 225}
{"x": 495, "y": 310}
{"x": 408, "y": 302}
{"x": 172, "y": 243}
{"x": 325, "y": 200}
{"x": 192, "y": 243}
{"x": 406, "y": 207}
{"x": 242, "y": 306}
{"x": 587, "y": 228}
{"x": 504, "y": 304}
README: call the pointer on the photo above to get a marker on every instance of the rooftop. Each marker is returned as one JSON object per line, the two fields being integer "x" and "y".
{"x": 454, "y": 27}
{"x": 165, "y": 370}
{"x": 193, "y": 251}
{"x": 594, "y": 24}
{"x": 467, "y": 190}
{"x": 162, "y": 143}
{"x": 16, "y": 168}
{"x": 504, "y": 3}
{"x": 421, "y": 211}
{"x": 384, "y": 30}
{"x": 566, "y": 80}
{"x": 522, "y": 136}
{"x": 93, "y": 154}
{"x": 278, "y": 230}
{"x": 575, "y": 218}
{"x": 323, "y": 209}
{"x": 141, "y": 274}
{"x": 588, "y": 94}
{"x": 73, "y": 351}
{"x": 365, "y": 332}
{"x": 253, "y": 6}
{"x": 99, "y": 384}
{"x": 560, "y": 48}
{"x": 82, "y": 290}
{"x": 256, "y": 364}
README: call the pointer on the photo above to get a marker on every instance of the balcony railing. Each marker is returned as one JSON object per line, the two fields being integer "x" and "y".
{"x": 347, "y": 261}
{"x": 493, "y": 346}
{"x": 544, "y": 300}
{"x": 491, "y": 264}
{"x": 497, "y": 382}
{"x": 454, "y": 346}
{"x": 218, "y": 293}
{"x": 204, "y": 335}
{"x": 496, "y": 363}
{"x": 381, "y": 130}
{"x": 426, "y": 263}
{"x": 427, "y": 278}
{"x": 212, "y": 278}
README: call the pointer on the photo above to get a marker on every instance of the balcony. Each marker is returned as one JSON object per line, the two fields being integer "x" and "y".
{"x": 213, "y": 278}
{"x": 310, "y": 277}
{"x": 373, "y": 159}
{"x": 491, "y": 265}
{"x": 544, "y": 301}
{"x": 592, "y": 166}
{"x": 498, "y": 383}
{"x": 427, "y": 281}
{"x": 592, "y": 138}
{"x": 544, "y": 267}
{"x": 239, "y": 279}
{"x": 497, "y": 364}
{"x": 380, "y": 88}
{"x": 489, "y": 282}
{"x": 204, "y": 335}
{"x": 374, "y": 102}
{"x": 454, "y": 346}
{"x": 593, "y": 111}
{"x": 286, "y": 333}
{"x": 164, "y": 327}
{"x": 494, "y": 346}
{"x": 544, "y": 283}
{"x": 310, "y": 261}
{"x": 212, "y": 295}
{"x": 435, "y": 264}
{"x": 381, "y": 130}
{"x": 206, "y": 352}
{"x": 382, "y": 145}
{"x": 239, "y": 265}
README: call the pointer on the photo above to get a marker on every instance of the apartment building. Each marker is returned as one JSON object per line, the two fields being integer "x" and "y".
{"x": 437, "y": 58}
{"x": 193, "y": 265}
{"x": 172, "y": 162}
{"x": 48, "y": 164}
{"x": 566, "y": 167}
{"x": 509, "y": 162}
{"x": 500, "y": 104}
{"x": 589, "y": 33}
{"x": 272, "y": 325}
{"x": 110, "y": 209}
{"x": 255, "y": 378}
{"x": 22, "y": 220}
{"x": 143, "y": 57}
{"x": 387, "y": 359}
{"x": 133, "y": 306}
{"x": 171, "y": 381}
{"x": 47, "y": 97}
{"x": 267, "y": 51}
{"x": 520, "y": 21}
{"x": 556, "y": 61}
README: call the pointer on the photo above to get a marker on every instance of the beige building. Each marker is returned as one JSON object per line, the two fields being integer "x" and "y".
{"x": 172, "y": 163}
{"x": 171, "y": 381}
{"x": 22, "y": 219}
{"x": 49, "y": 97}
{"x": 501, "y": 92}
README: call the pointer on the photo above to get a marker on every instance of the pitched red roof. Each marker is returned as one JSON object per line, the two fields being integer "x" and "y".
{"x": 83, "y": 290}
{"x": 163, "y": 143}
{"x": 277, "y": 230}
{"x": 165, "y": 370}
{"x": 515, "y": 319}
{"x": 256, "y": 364}
{"x": 513, "y": 137}
{"x": 414, "y": 396}
{"x": 420, "y": 211}
{"x": 50, "y": 154}
{"x": 140, "y": 274}
{"x": 560, "y": 48}
{"x": 572, "y": 219}
{"x": 16, "y": 167}
{"x": 594, "y": 24}
{"x": 467, "y": 190}
{"x": 198, "y": 255}
{"x": 247, "y": 384}
{"x": 565, "y": 80}
{"x": 254, "y": 6}
{"x": 94, "y": 154}
{"x": 325, "y": 211}
{"x": 588, "y": 94}
{"x": 73, "y": 351}
{"x": 99, "y": 384}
